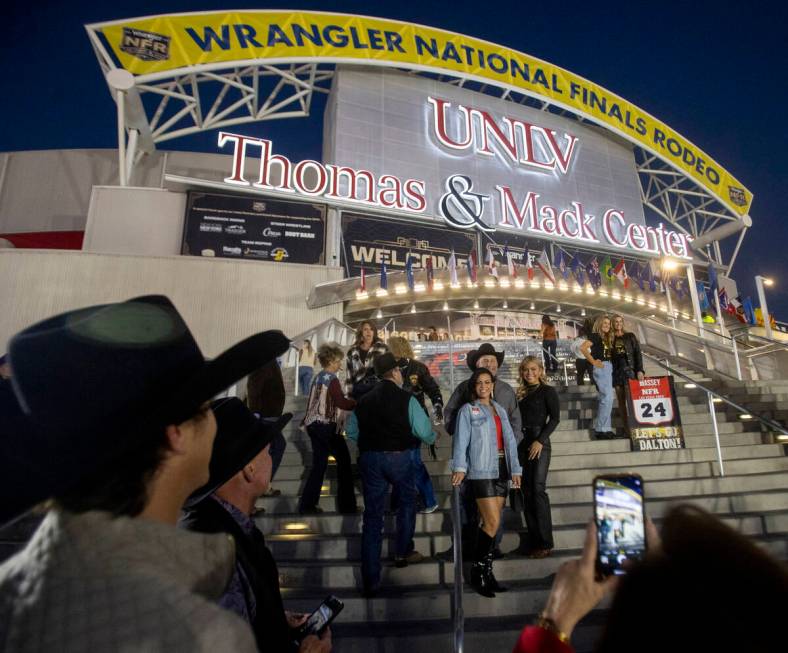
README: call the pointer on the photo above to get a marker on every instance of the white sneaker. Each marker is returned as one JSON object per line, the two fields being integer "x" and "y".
{"x": 428, "y": 510}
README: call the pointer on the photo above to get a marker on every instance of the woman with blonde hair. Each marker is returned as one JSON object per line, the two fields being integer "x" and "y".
{"x": 541, "y": 412}
{"x": 598, "y": 350}
{"x": 417, "y": 380}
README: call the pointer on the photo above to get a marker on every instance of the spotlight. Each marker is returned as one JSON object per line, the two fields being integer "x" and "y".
{"x": 505, "y": 304}
{"x": 583, "y": 312}
{"x": 445, "y": 306}
{"x": 413, "y": 308}
{"x": 379, "y": 314}
{"x": 476, "y": 303}
{"x": 558, "y": 308}
{"x": 533, "y": 306}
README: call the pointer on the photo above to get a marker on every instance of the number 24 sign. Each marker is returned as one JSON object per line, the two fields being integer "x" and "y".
{"x": 652, "y": 400}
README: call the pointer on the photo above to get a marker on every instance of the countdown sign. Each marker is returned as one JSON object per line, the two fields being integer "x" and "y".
{"x": 653, "y": 415}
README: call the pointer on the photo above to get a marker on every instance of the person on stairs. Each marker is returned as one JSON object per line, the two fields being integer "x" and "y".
{"x": 627, "y": 364}
{"x": 485, "y": 450}
{"x": 484, "y": 357}
{"x": 598, "y": 350}
{"x": 360, "y": 364}
{"x": 240, "y": 471}
{"x": 386, "y": 423}
{"x": 417, "y": 380}
{"x": 541, "y": 412}
{"x": 321, "y": 422}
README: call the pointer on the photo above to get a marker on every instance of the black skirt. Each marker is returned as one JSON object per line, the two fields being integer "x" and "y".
{"x": 484, "y": 488}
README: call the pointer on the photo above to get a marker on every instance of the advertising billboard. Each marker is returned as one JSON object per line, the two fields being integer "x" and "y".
{"x": 244, "y": 227}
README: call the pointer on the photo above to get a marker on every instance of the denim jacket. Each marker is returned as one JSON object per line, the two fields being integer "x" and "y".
{"x": 476, "y": 442}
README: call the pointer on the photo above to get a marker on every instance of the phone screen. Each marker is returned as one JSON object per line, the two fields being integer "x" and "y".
{"x": 321, "y": 617}
{"x": 620, "y": 521}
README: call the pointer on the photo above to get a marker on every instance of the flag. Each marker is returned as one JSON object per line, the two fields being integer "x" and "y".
{"x": 453, "y": 269}
{"x": 653, "y": 277}
{"x": 510, "y": 262}
{"x": 713, "y": 282}
{"x": 703, "y": 298}
{"x": 678, "y": 287}
{"x": 363, "y": 280}
{"x": 607, "y": 270}
{"x": 430, "y": 273}
{"x": 492, "y": 266}
{"x": 594, "y": 275}
{"x": 560, "y": 263}
{"x": 384, "y": 281}
{"x": 409, "y": 272}
{"x": 472, "y": 266}
{"x": 749, "y": 311}
{"x": 543, "y": 262}
{"x": 620, "y": 272}
{"x": 529, "y": 265}
{"x": 725, "y": 304}
{"x": 577, "y": 270}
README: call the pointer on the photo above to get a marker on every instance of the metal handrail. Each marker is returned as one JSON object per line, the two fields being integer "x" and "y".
{"x": 711, "y": 394}
{"x": 558, "y": 360}
{"x": 458, "y": 613}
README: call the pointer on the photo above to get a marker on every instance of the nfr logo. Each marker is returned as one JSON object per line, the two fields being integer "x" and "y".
{"x": 147, "y": 46}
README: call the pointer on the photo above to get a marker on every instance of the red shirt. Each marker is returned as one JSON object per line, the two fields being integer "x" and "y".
{"x": 538, "y": 640}
{"x": 499, "y": 432}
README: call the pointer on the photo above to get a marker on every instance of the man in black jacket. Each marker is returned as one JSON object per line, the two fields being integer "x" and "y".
{"x": 386, "y": 424}
{"x": 240, "y": 473}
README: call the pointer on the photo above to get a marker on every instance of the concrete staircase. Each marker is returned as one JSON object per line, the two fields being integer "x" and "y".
{"x": 320, "y": 554}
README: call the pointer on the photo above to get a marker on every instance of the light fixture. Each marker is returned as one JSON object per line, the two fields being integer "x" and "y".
{"x": 669, "y": 264}
{"x": 533, "y": 306}
{"x": 445, "y": 306}
{"x": 379, "y": 314}
{"x": 476, "y": 303}
{"x": 745, "y": 416}
{"x": 690, "y": 386}
{"x": 558, "y": 308}
{"x": 717, "y": 400}
{"x": 582, "y": 312}
{"x": 505, "y": 304}
{"x": 768, "y": 282}
{"x": 413, "y": 308}
{"x": 296, "y": 526}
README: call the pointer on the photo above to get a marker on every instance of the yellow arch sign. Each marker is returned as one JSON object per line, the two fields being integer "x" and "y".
{"x": 150, "y": 47}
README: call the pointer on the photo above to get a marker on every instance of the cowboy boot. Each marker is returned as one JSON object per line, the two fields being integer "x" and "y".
{"x": 495, "y": 586}
{"x": 480, "y": 580}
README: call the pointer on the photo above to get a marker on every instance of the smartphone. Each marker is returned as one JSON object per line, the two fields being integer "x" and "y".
{"x": 320, "y": 618}
{"x": 619, "y": 512}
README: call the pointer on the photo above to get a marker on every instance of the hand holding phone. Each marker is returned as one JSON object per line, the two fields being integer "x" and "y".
{"x": 318, "y": 621}
{"x": 619, "y": 514}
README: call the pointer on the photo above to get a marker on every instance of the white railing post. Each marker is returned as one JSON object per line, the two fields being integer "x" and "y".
{"x": 736, "y": 358}
{"x": 713, "y": 412}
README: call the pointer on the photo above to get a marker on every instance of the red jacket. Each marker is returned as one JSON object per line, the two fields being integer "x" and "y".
{"x": 538, "y": 640}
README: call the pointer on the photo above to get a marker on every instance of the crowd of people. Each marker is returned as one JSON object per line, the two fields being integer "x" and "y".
{"x": 141, "y": 475}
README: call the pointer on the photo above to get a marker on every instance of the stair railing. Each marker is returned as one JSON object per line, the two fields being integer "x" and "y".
{"x": 458, "y": 616}
{"x": 557, "y": 360}
{"x": 710, "y": 396}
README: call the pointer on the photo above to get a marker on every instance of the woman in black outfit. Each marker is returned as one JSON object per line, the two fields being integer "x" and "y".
{"x": 541, "y": 413}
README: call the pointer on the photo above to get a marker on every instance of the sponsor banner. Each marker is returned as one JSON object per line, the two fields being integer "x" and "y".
{"x": 653, "y": 414}
{"x": 232, "y": 226}
{"x": 370, "y": 241}
{"x": 166, "y": 43}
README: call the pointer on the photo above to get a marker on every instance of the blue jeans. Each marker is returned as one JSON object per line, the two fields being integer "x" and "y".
{"x": 424, "y": 488}
{"x": 304, "y": 379}
{"x": 603, "y": 376}
{"x": 379, "y": 469}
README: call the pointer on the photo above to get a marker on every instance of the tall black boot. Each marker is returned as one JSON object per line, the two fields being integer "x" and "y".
{"x": 495, "y": 586}
{"x": 480, "y": 579}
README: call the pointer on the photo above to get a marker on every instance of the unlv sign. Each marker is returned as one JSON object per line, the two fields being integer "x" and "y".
{"x": 472, "y": 167}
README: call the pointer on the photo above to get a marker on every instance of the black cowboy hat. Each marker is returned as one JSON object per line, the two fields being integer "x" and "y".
{"x": 486, "y": 349}
{"x": 385, "y": 363}
{"x": 240, "y": 436}
{"x": 89, "y": 380}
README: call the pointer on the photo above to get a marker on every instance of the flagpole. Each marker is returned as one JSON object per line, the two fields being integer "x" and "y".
{"x": 670, "y": 305}
{"x": 719, "y": 312}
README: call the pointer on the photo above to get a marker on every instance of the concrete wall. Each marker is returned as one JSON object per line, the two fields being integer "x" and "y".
{"x": 222, "y": 301}
{"x": 147, "y": 221}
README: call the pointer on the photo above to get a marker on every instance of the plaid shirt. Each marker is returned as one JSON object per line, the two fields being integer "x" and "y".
{"x": 358, "y": 370}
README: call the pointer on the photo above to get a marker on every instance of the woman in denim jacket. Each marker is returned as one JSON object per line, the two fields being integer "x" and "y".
{"x": 485, "y": 450}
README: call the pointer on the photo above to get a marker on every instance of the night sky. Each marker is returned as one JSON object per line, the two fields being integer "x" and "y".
{"x": 713, "y": 71}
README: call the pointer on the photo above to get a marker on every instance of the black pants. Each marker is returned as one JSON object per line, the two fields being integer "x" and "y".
{"x": 550, "y": 362}
{"x": 537, "y": 503}
{"x": 326, "y": 441}
{"x": 583, "y": 367}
